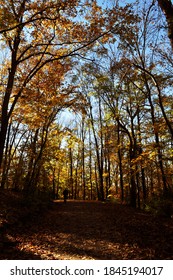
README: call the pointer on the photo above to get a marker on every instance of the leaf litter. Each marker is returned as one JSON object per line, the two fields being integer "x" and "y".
{"x": 91, "y": 231}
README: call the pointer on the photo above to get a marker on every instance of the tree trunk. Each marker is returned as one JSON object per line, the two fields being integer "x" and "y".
{"x": 167, "y": 8}
{"x": 83, "y": 160}
{"x": 99, "y": 159}
{"x": 90, "y": 165}
{"x": 71, "y": 172}
{"x": 120, "y": 163}
{"x": 5, "y": 104}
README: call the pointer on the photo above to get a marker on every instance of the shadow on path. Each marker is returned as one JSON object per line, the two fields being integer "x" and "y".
{"x": 94, "y": 230}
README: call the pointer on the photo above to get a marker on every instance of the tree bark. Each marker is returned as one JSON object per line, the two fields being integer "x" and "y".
{"x": 167, "y": 8}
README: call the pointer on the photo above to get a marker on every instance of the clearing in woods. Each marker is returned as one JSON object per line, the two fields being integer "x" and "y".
{"x": 90, "y": 231}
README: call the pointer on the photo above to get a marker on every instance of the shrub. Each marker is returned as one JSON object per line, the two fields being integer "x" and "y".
{"x": 160, "y": 206}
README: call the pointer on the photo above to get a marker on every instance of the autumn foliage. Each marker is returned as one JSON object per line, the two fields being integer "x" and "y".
{"x": 86, "y": 100}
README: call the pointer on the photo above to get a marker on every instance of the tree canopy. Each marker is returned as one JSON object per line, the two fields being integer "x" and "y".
{"x": 86, "y": 99}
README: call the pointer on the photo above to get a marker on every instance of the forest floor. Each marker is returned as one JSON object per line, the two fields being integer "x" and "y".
{"x": 83, "y": 230}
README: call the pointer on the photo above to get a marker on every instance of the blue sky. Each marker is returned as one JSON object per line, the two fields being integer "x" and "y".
{"x": 111, "y": 2}
{"x": 121, "y": 2}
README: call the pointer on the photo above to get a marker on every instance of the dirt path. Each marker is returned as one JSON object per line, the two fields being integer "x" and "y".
{"x": 92, "y": 231}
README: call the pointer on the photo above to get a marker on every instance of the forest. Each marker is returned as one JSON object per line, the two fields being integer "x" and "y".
{"x": 86, "y": 101}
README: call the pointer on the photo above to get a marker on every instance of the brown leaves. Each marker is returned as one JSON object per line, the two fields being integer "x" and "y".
{"x": 92, "y": 230}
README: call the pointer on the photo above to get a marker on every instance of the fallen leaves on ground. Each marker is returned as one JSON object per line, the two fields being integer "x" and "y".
{"x": 81, "y": 230}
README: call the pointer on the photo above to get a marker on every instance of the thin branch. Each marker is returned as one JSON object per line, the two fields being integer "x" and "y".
{"x": 31, "y": 20}
{"x": 159, "y": 96}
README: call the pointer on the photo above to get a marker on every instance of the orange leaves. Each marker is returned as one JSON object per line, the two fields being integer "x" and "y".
{"x": 42, "y": 95}
{"x": 6, "y": 16}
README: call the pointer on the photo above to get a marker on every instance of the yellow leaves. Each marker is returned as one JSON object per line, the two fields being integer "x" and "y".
{"x": 105, "y": 175}
{"x": 6, "y": 17}
{"x": 42, "y": 96}
{"x": 106, "y": 38}
{"x": 148, "y": 155}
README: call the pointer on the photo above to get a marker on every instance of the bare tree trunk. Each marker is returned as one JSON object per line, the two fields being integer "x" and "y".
{"x": 101, "y": 151}
{"x": 120, "y": 163}
{"x": 71, "y": 172}
{"x": 90, "y": 165}
{"x": 167, "y": 8}
{"x": 144, "y": 188}
{"x": 157, "y": 140}
{"x": 83, "y": 159}
{"x": 98, "y": 156}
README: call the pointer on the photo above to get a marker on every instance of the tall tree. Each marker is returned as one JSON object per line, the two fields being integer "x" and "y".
{"x": 35, "y": 34}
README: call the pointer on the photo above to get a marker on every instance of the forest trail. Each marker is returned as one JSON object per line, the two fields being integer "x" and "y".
{"x": 91, "y": 231}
